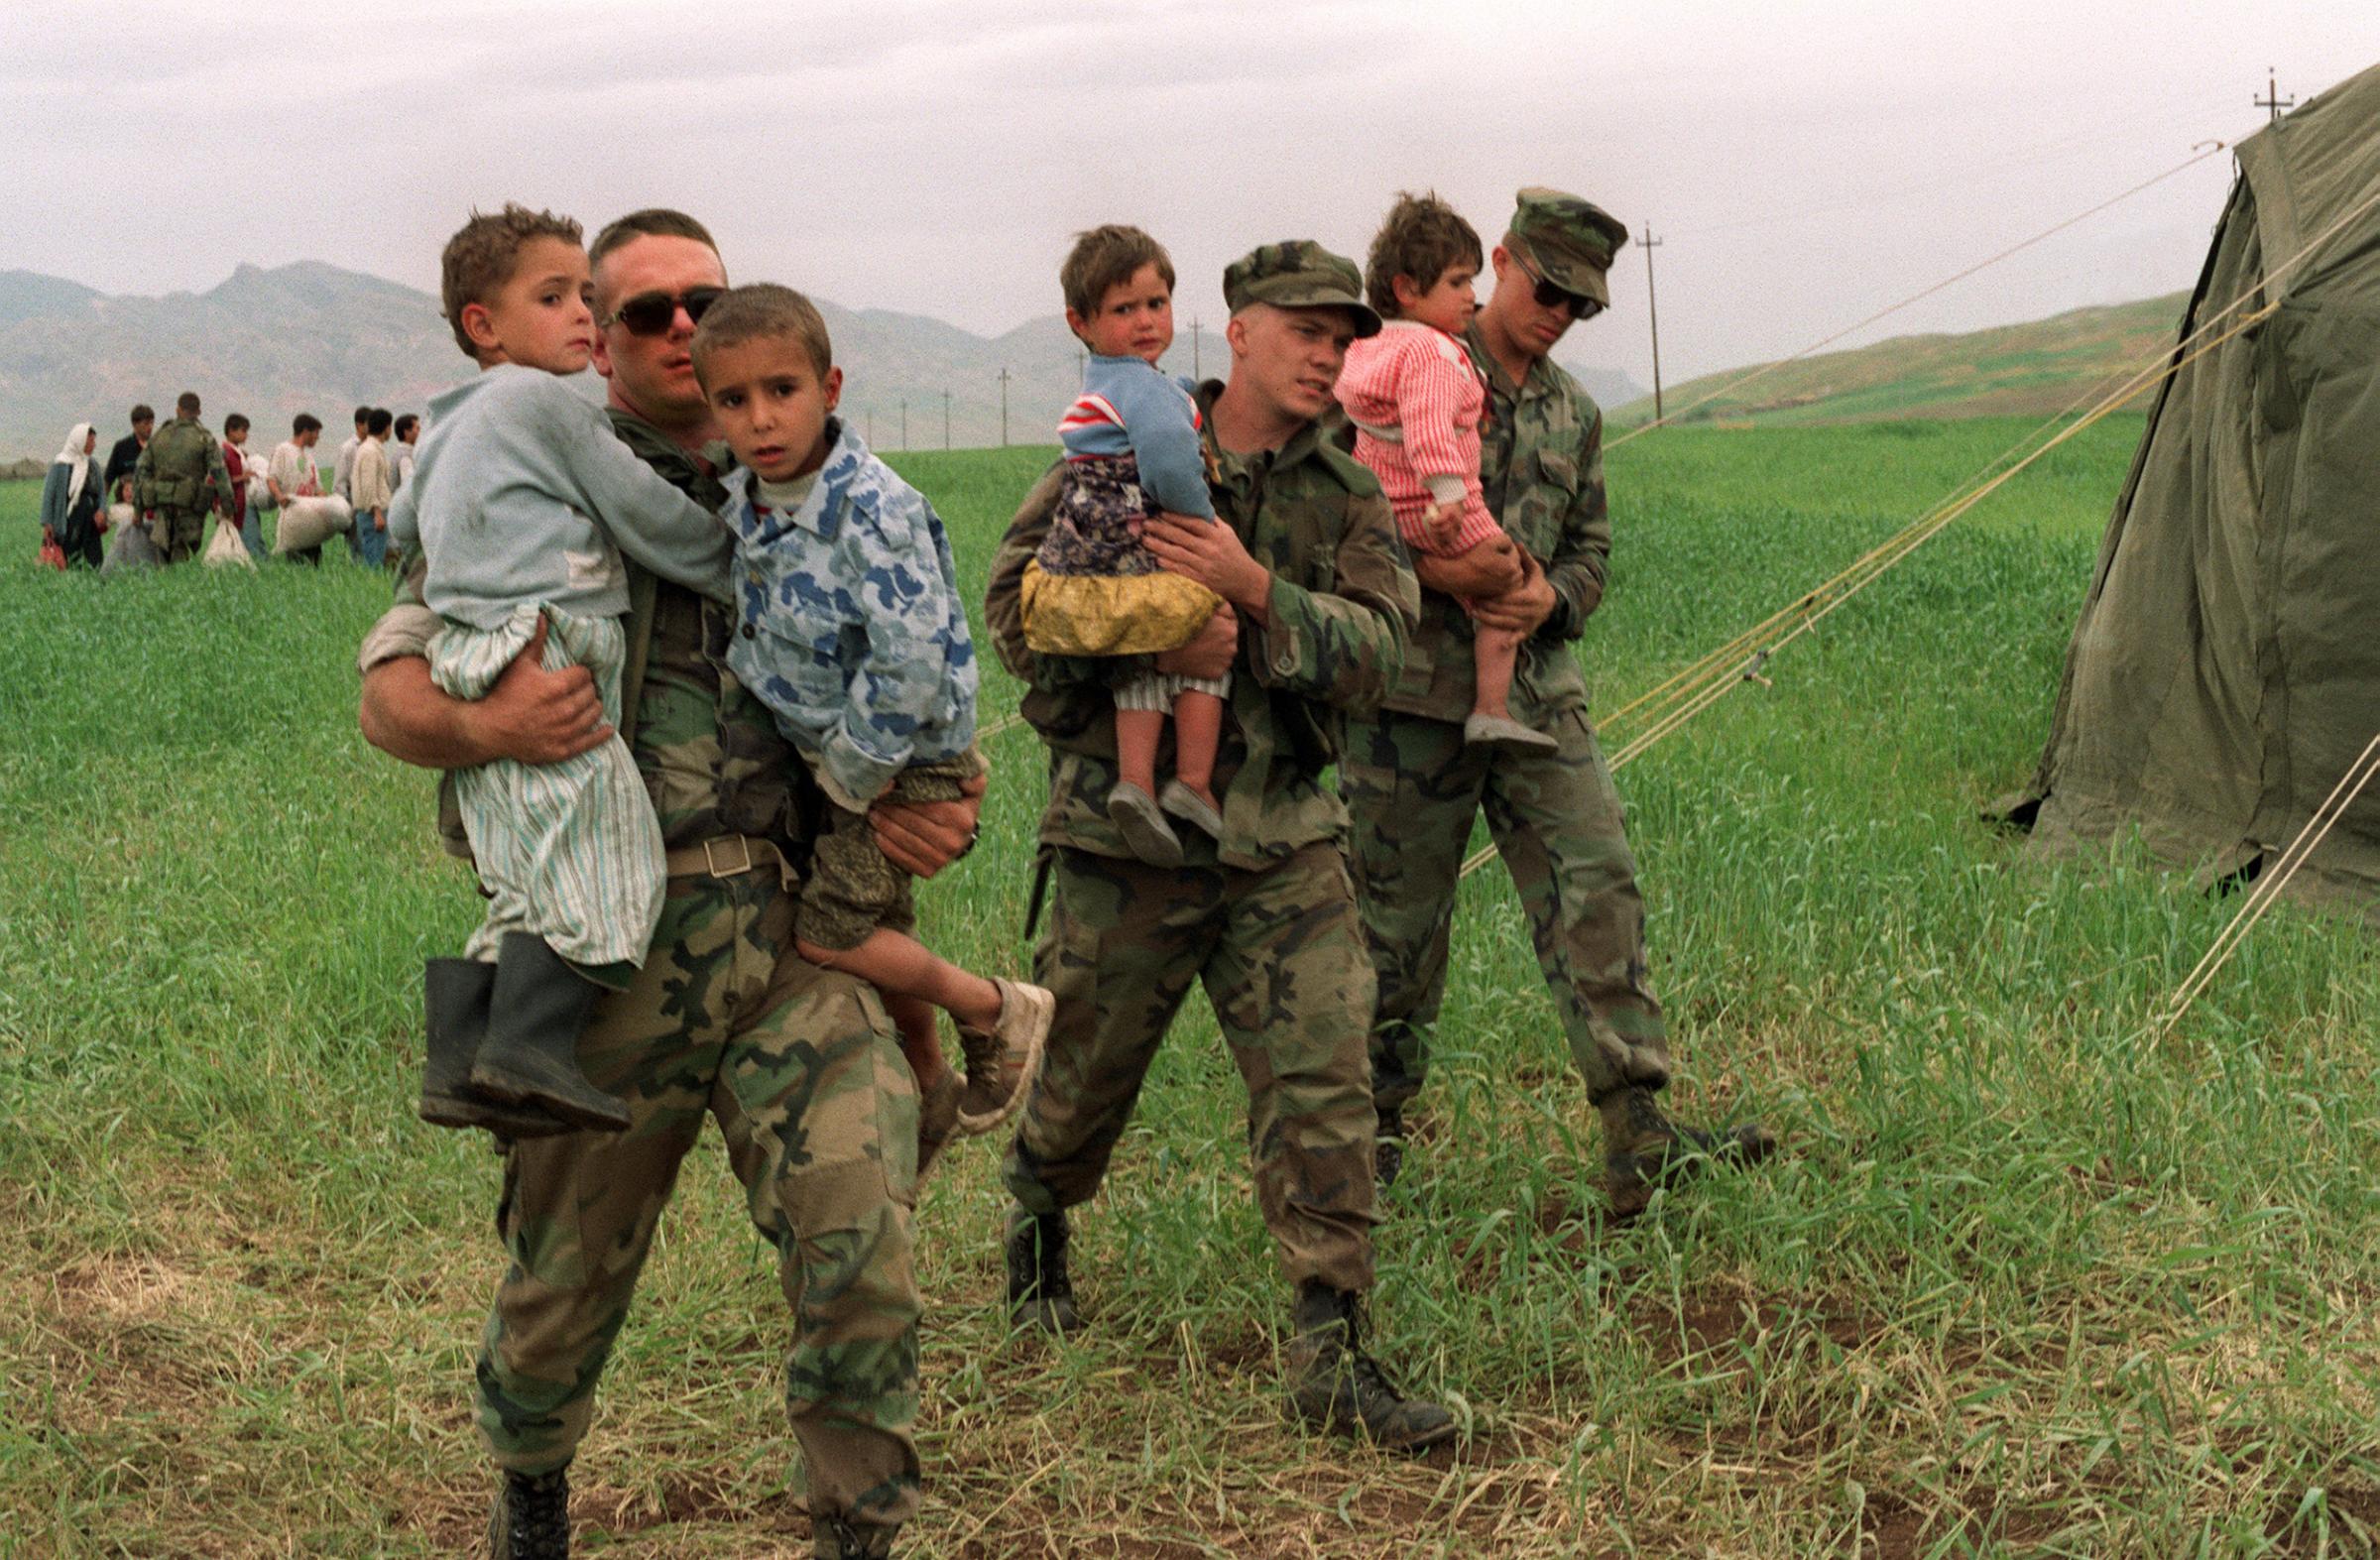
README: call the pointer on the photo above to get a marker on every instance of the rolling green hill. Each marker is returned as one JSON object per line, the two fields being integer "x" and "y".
{"x": 2034, "y": 369}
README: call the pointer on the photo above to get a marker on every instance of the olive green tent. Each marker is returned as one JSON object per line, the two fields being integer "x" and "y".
{"x": 2225, "y": 672}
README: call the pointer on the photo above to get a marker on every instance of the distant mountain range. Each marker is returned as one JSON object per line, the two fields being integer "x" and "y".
{"x": 2036, "y": 369}
{"x": 313, "y": 337}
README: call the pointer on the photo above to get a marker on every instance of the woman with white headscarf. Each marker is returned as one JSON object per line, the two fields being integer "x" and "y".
{"x": 72, "y": 497}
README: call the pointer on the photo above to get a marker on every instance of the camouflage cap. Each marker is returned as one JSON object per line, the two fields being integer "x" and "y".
{"x": 1298, "y": 273}
{"x": 1565, "y": 241}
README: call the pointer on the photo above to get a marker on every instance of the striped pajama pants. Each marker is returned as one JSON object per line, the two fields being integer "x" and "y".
{"x": 570, "y": 852}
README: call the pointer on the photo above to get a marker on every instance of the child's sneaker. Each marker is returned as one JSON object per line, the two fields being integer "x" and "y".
{"x": 1147, "y": 834}
{"x": 1004, "y": 1061}
{"x": 1192, "y": 808}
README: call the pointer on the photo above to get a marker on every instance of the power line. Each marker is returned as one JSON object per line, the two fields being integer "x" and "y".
{"x": 2272, "y": 97}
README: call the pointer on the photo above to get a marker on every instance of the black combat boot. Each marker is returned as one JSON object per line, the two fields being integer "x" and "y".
{"x": 530, "y": 1054}
{"x": 1337, "y": 1387}
{"x": 1388, "y": 1153}
{"x": 1644, "y": 1149}
{"x": 1040, "y": 1295}
{"x": 532, "y": 1519}
{"x": 454, "y": 999}
{"x": 840, "y": 1538}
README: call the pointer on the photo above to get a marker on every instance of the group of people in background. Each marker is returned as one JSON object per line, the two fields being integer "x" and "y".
{"x": 158, "y": 484}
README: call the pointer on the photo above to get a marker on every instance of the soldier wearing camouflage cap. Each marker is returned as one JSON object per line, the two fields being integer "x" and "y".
{"x": 1264, "y": 914}
{"x": 1413, "y": 788}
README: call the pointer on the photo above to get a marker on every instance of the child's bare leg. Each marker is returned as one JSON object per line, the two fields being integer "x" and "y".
{"x": 1492, "y": 654}
{"x": 1197, "y": 733}
{"x": 1136, "y": 734}
{"x": 898, "y": 964}
{"x": 919, "y": 1025}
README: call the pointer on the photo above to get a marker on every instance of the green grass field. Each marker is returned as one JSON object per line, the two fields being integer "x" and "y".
{"x": 2023, "y": 1281}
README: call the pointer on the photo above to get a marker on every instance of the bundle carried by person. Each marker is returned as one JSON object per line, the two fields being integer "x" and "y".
{"x": 309, "y": 522}
{"x": 225, "y": 547}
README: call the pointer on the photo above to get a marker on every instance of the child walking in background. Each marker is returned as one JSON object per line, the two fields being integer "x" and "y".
{"x": 1416, "y": 400}
{"x": 1132, "y": 452}
{"x": 853, "y": 635}
{"x": 522, "y": 502}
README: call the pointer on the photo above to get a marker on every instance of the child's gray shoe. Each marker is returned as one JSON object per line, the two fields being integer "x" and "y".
{"x": 1147, "y": 834}
{"x": 1504, "y": 735}
{"x": 1189, "y": 806}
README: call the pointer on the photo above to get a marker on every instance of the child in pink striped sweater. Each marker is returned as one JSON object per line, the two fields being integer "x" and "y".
{"x": 1416, "y": 400}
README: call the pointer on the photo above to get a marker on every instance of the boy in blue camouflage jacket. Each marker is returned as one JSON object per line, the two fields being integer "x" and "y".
{"x": 853, "y": 636}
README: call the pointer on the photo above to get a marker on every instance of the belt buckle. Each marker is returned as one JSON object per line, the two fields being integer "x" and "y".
{"x": 710, "y": 858}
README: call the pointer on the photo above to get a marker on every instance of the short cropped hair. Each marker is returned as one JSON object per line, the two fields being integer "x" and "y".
{"x": 482, "y": 256}
{"x": 363, "y": 415}
{"x": 185, "y": 404}
{"x": 763, "y": 312}
{"x": 236, "y": 422}
{"x": 1105, "y": 257}
{"x": 654, "y": 222}
{"x": 379, "y": 421}
{"x": 143, "y": 413}
{"x": 305, "y": 422}
{"x": 1422, "y": 239}
{"x": 407, "y": 424}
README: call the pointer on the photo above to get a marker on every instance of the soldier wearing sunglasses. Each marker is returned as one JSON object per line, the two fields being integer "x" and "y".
{"x": 724, "y": 1021}
{"x": 1413, "y": 788}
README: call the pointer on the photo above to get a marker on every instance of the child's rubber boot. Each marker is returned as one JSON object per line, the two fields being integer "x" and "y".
{"x": 454, "y": 1000}
{"x": 536, "y": 1015}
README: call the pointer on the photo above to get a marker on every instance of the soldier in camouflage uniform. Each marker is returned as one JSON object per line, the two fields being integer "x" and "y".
{"x": 798, "y": 1066}
{"x": 1413, "y": 788}
{"x": 181, "y": 479}
{"x": 1307, "y": 558}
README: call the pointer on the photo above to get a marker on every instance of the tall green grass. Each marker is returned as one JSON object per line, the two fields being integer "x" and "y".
{"x": 2024, "y": 1280}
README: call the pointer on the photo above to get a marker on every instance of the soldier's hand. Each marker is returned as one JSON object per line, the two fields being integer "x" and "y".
{"x": 1522, "y": 608}
{"x": 923, "y": 837}
{"x": 1209, "y": 655}
{"x": 539, "y": 716}
{"x": 1490, "y": 568}
{"x": 1210, "y": 552}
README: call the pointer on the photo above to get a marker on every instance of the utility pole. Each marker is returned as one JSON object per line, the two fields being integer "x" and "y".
{"x": 905, "y": 421}
{"x": 1003, "y": 408}
{"x": 1653, "y": 306}
{"x": 946, "y": 420}
{"x": 1196, "y": 371}
{"x": 2272, "y": 97}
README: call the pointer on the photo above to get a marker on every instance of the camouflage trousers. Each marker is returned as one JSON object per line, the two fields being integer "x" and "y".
{"x": 177, "y": 533}
{"x": 804, "y": 1076}
{"x": 1281, "y": 956}
{"x": 1412, "y": 789}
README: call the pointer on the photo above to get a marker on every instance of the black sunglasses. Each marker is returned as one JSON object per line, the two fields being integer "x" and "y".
{"x": 653, "y": 314}
{"x": 1549, "y": 295}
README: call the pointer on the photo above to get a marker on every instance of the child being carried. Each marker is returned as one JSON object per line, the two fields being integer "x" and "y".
{"x": 853, "y": 636}
{"x": 1132, "y": 452}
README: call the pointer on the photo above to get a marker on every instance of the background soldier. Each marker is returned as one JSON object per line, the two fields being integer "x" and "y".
{"x": 1412, "y": 787}
{"x": 1264, "y": 915}
{"x": 798, "y": 1065}
{"x": 180, "y": 480}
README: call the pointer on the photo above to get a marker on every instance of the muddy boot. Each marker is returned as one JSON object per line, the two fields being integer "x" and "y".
{"x": 532, "y": 1519}
{"x": 1389, "y": 1150}
{"x": 454, "y": 999}
{"x": 841, "y": 1539}
{"x": 1004, "y": 1061}
{"x": 1337, "y": 1387}
{"x": 530, "y": 1054}
{"x": 937, "y": 1120}
{"x": 1040, "y": 1295}
{"x": 1644, "y": 1151}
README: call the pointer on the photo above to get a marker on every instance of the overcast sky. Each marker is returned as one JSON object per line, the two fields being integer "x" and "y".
{"x": 1803, "y": 164}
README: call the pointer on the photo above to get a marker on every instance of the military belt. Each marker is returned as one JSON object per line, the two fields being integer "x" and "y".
{"x": 730, "y": 856}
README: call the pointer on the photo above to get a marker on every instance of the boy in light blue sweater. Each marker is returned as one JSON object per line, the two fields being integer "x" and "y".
{"x": 522, "y": 502}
